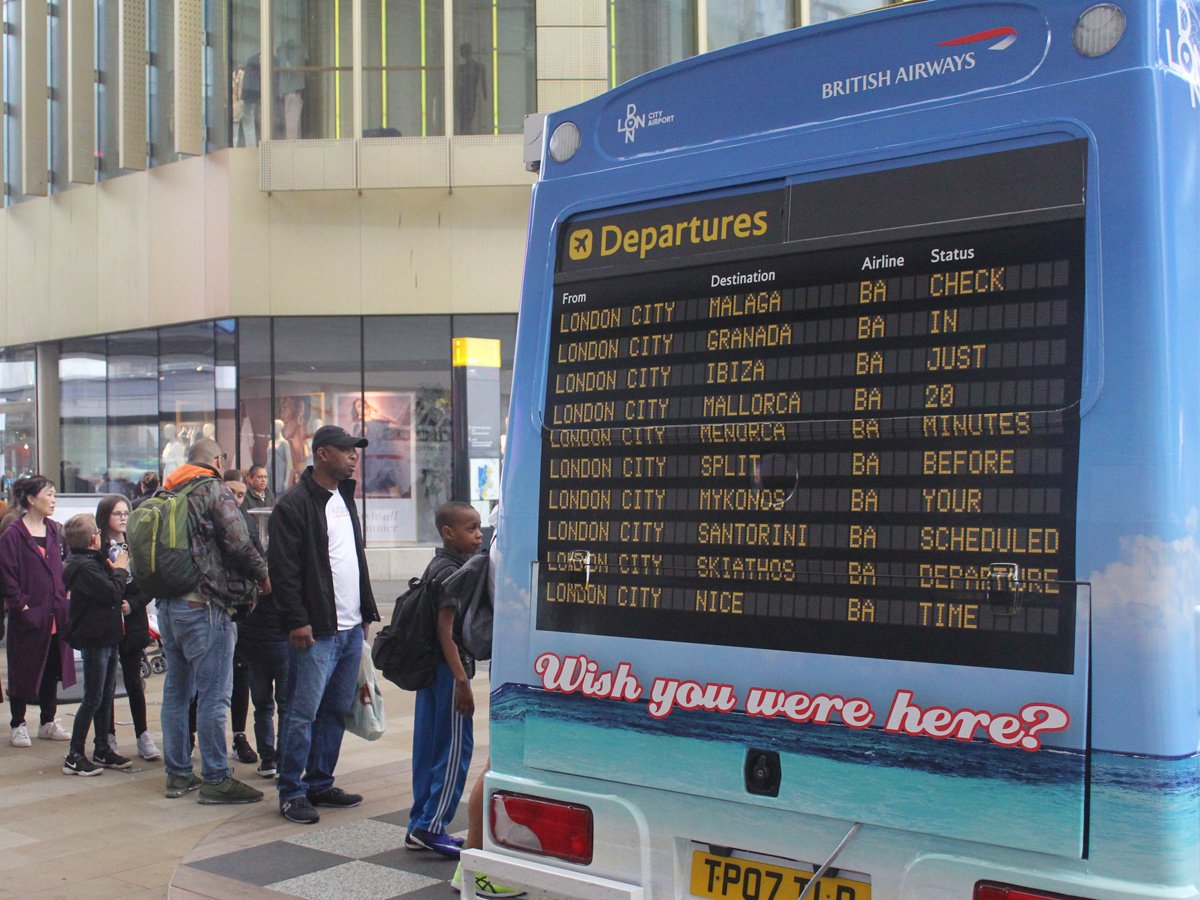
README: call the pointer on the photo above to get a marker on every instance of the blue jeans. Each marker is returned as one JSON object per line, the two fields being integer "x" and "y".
{"x": 322, "y": 682}
{"x": 198, "y": 645}
{"x": 99, "y": 685}
{"x": 267, "y": 662}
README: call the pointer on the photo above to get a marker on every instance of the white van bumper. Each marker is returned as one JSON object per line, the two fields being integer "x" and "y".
{"x": 541, "y": 880}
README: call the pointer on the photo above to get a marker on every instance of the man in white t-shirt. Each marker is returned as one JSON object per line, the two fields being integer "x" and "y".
{"x": 326, "y": 606}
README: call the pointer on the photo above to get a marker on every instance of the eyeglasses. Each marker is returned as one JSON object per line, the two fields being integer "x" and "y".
{"x": 121, "y": 514}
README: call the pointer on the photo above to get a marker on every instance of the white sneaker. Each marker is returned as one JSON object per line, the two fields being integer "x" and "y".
{"x": 147, "y": 749}
{"x": 20, "y": 736}
{"x": 53, "y": 731}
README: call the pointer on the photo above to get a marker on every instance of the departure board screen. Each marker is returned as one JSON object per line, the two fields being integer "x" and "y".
{"x": 770, "y": 425}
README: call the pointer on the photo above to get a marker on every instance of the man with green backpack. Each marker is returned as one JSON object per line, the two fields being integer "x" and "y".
{"x": 191, "y": 549}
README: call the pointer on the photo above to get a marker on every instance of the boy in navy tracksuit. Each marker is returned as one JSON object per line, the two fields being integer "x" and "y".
{"x": 96, "y": 625}
{"x": 442, "y": 733}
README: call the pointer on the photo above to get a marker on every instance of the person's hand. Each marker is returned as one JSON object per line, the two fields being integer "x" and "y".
{"x": 122, "y": 560}
{"x": 302, "y": 638}
{"x": 126, "y": 609}
{"x": 464, "y": 700}
{"x": 367, "y": 632}
{"x": 265, "y": 587}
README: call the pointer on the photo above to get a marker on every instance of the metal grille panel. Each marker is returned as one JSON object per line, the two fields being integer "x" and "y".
{"x": 35, "y": 124}
{"x": 81, "y": 92}
{"x": 131, "y": 89}
{"x": 189, "y": 76}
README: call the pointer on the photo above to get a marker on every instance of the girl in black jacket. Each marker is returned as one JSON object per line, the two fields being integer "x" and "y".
{"x": 112, "y": 514}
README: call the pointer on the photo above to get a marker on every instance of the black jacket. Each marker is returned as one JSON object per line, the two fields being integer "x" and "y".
{"x": 298, "y": 558}
{"x": 137, "y": 623}
{"x": 96, "y": 590}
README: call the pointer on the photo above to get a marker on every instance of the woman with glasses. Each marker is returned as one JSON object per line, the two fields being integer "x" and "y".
{"x": 112, "y": 515}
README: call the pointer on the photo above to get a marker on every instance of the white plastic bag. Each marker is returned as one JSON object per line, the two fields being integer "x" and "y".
{"x": 366, "y": 717}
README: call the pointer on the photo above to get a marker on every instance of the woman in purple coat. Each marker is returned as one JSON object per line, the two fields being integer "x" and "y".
{"x": 31, "y": 561}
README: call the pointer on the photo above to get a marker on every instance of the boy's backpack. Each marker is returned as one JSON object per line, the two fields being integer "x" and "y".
{"x": 406, "y": 652}
{"x": 160, "y": 546}
{"x": 471, "y": 586}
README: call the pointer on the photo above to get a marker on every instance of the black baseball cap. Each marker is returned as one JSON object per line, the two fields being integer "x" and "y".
{"x": 333, "y": 436}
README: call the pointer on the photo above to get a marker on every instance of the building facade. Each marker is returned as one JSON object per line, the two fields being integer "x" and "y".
{"x": 248, "y": 218}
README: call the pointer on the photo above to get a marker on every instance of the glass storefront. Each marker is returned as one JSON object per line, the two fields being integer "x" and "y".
{"x": 136, "y": 401}
{"x": 645, "y": 36}
{"x": 495, "y": 74}
{"x": 403, "y": 68}
{"x": 308, "y": 76}
{"x": 245, "y": 56}
{"x": 18, "y": 414}
{"x": 312, "y": 65}
{"x": 733, "y": 21}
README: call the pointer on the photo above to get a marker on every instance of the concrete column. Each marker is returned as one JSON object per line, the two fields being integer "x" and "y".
{"x": 49, "y": 438}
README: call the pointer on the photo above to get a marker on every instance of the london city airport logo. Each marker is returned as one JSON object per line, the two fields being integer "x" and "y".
{"x": 951, "y": 63}
{"x": 629, "y": 124}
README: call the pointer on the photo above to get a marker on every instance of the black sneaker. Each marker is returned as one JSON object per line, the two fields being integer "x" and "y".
{"x": 334, "y": 796}
{"x": 266, "y": 767}
{"x": 243, "y": 751}
{"x": 299, "y": 810}
{"x": 109, "y": 760}
{"x": 79, "y": 764}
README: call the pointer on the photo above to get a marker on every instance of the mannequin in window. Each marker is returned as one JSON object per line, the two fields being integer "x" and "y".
{"x": 290, "y": 59}
{"x": 295, "y": 411}
{"x": 470, "y": 84}
{"x": 313, "y": 427}
{"x": 246, "y": 440}
{"x": 174, "y": 454}
{"x": 281, "y": 457}
{"x": 247, "y": 93}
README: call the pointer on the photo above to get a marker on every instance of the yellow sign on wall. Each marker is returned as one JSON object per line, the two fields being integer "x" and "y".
{"x": 477, "y": 352}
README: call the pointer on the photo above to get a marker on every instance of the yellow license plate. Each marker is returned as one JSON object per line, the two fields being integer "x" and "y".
{"x": 734, "y": 878}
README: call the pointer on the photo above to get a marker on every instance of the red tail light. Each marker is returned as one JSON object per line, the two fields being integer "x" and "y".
{"x": 545, "y": 827}
{"x": 986, "y": 890}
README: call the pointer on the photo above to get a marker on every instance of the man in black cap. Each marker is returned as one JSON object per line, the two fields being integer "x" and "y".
{"x": 323, "y": 595}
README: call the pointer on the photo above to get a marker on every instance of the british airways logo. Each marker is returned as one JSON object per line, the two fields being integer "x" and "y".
{"x": 950, "y": 64}
{"x": 629, "y": 124}
{"x": 1008, "y": 37}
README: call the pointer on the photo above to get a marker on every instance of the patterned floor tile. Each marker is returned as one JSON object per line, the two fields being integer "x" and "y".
{"x": 268, "y": 863}
{"x": 357, "y": 880}
{"x": 354, "y": 839}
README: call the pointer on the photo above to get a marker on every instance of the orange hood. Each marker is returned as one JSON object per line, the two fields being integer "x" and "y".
{"x": 186, "y": 473}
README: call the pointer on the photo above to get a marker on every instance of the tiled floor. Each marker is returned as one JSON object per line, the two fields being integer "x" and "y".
{"x": 356, "y": 853}
{"x": 364, "y": 858}
{"x": 118, "y": 836}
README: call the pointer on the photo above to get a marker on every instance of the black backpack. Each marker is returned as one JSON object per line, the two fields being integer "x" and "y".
{"x": 471, "y": 587}
{"x": 406, "y": 652}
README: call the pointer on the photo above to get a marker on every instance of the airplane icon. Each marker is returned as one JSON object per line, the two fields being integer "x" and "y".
{"x": 580, "y": 246}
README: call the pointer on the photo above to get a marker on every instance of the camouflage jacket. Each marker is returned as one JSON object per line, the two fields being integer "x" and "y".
{"x": 230, "y": 566}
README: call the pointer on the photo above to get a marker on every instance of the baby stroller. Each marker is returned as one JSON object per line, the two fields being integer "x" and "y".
{"x": 153, "y": 659}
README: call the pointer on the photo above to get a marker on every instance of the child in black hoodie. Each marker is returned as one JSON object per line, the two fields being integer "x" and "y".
{"x": 95, "y": 626}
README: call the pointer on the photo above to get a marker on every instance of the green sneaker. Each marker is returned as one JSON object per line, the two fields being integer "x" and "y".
{"x": 484, "y": 886}
{"x": 178, "y": 785}
{"x": 229, "y": 791}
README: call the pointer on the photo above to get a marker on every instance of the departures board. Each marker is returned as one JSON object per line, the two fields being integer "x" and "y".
{"x": 838, "y": 416}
